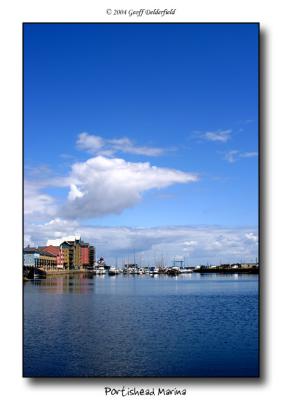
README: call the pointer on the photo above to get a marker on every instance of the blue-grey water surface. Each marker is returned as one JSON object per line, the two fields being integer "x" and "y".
{"x": 191, "y": 325}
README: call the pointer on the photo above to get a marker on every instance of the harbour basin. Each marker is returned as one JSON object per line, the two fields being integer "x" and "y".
{"x": 192, "y": 325}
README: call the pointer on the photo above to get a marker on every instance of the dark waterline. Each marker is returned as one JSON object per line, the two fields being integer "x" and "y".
{"x": 191, "y": 325}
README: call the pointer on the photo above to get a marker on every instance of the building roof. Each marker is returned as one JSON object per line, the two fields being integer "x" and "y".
{"x": 32, "y": 250}
{"x": 46, "y": 253}
{"x": 54, "y": 250}
{"x": 68, "y": 244}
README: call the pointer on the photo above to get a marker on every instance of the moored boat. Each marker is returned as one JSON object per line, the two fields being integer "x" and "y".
{"x": 154, "y": 271}
{"x": 173, "y": 271}
{"x": 140, "y": 271}
{"x": 39, "y": 273}
{"x": 100, "y": 271}
{"x": 113, "y": 271}
{"x": 186, "y": 271}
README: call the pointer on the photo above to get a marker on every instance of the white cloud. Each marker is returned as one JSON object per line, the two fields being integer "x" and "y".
{"x": 217, "y": 136}
{"x": 231, "y": 156}
{"x": 234, "y": 155}
{"x": 101, "y": 185}
{"x": 61, "y": 239}
{"x": 40, "y": 233}
{"x": 108, "y": 147}
{"x": 97, "y": 187}
{"x": 249, "y": 154}
{"x": 74, "y": 193}
{"x": 90, "y": 143}
{"x": 36, "y": 202}
{"x": 251, "y": 236}
{"x": 28, "y": 241}
{"x": 211, "y": 244}
{"x": 190, "y": 243}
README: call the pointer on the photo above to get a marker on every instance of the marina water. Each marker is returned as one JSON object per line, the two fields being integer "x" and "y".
{"x": 192, "y": 325}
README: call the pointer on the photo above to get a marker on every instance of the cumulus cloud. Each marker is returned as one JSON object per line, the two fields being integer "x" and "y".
{"x": 101, "y": 185}
{"x": 217, "y": 136}
{"x": 108, "y": 147}
{"x": 198, "y": 244}
{"x": 74, "y": 193}
{"x": 97, "y": 187}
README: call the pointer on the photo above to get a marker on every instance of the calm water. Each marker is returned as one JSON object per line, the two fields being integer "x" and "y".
{"x": 193, "y": 325}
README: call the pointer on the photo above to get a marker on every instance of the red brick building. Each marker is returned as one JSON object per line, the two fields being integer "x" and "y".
{"x": 57, "y": 252}
{"x": 84, "y": 254}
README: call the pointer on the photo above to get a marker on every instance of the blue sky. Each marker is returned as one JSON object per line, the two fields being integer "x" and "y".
{"x": 182, "y": 98}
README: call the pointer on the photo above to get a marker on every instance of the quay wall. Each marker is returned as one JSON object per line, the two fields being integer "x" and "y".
{"x": 227, "y": 271}
{"x": 65, "y": 271}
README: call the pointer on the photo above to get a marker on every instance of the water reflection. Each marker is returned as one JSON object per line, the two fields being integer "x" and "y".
{"x": 127, "y": 284}
{"x": 189, "y": 325}
{"x": 76, "y": 283}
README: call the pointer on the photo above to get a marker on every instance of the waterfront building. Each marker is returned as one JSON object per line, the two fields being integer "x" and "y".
{"x": 68, "y": 254}
{"x": 38, "y": 258}
{"x": 84, "y": 252}
{"x": 71, "y": 250}
{"x": 92, "y": 256}
{"x": 249, "y": 265}
{"x": 57, "y": 252}
{"x": 46, "y": 261}
{"x": 30, "y": 256}
{"x": 77, "y": 254}
{"x": 67, "y": 251}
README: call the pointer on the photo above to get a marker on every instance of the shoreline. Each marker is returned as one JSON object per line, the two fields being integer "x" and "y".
{"x": 227, "y": 271}
{"x": 51, "y": 273}
{"x": 66, "y": 272}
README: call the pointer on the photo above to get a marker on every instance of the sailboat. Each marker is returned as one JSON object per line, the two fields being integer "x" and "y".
{"x": 113, "y": 271}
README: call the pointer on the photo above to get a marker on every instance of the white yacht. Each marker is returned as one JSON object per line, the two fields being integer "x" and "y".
{"x": 113, "y": 271}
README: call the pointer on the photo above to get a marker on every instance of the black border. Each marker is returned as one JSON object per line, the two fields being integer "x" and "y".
{"x": 261, "y": 220}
